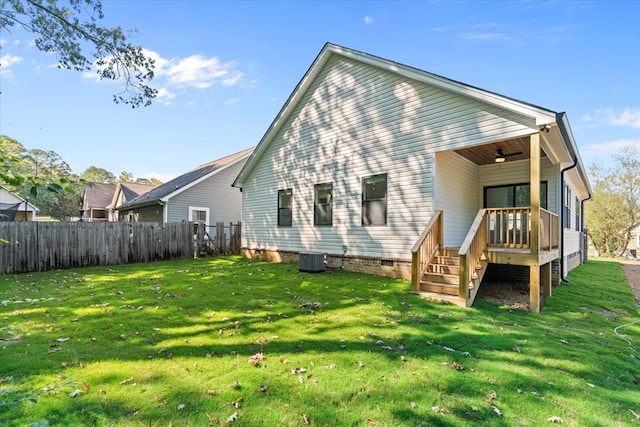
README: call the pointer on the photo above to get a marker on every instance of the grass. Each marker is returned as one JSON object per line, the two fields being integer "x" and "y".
{"x": 228, "y": 341}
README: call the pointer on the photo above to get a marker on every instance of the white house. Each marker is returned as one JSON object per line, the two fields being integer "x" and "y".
{"x": 203, "y": 194}
{"x": 389, "y": 169}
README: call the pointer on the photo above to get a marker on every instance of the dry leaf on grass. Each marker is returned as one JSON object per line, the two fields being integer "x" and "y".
{"x": 257, "y": 358}
{"x": 555, "y": 419}
{"x": 496, "y": 410}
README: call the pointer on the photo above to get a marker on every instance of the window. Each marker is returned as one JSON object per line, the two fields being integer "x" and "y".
{"x": 577, "y": 209}
{"x": 284, "y": 208}
{"x": 198, "y": 215}
{"x": 513, "y": 196}
{"x": 567, "y": 207}
{"x": 374, "y": 200}
{"x": 323, "y": 204}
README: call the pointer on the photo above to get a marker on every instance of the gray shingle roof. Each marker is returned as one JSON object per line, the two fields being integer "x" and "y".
{"x": 98, "y": 194}
{"x": 165, "y": 190}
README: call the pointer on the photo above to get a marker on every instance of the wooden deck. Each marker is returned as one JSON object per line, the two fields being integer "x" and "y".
{"x": 500, "y": 236}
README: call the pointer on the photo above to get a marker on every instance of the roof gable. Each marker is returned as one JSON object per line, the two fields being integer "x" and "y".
{"x": 539, "y": 115}
{"x": 187, "y": 180}
{"x": 98, "y": 194}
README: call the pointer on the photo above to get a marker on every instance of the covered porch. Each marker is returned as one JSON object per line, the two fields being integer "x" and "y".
{"x": 450, "y": 266}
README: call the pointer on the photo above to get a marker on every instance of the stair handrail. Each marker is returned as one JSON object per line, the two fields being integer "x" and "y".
{"x": 471, "y": 251}
{"x": 425, "y": 248}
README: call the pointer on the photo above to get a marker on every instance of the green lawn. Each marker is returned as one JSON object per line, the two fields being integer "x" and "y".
{"x": 228, "y": 341}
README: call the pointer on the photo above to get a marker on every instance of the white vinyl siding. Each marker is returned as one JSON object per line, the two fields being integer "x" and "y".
{"x": 215, "y": 193}
{"x": 456, "y": 186}
{"x": 355, "y": 121}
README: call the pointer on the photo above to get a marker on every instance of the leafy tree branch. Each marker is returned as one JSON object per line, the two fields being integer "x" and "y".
{"x": 69, "y": 30}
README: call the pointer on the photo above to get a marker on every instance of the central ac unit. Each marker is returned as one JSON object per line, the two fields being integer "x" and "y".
{"x": 311, "y": 262}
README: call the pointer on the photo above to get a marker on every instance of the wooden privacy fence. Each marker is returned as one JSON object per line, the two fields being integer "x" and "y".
{"x": 219, "y": 239}
{"x": 41, "y": 246}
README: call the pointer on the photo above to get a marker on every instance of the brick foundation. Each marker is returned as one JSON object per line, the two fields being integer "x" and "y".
{"x": 388, "y": 267}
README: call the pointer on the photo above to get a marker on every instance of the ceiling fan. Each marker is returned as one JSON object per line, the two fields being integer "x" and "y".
{"x": 501, "y": 156}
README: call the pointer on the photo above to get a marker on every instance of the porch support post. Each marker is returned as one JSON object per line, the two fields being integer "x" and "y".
{"x": 534, "y": 276}
{"x": 545, "y": 279}
{"x": 534, "y": 288}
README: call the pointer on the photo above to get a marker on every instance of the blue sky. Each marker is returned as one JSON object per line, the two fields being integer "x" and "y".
{"x": 226, "y": 68}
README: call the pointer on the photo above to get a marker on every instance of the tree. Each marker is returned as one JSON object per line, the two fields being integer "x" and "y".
{"x": 125, "y": 177}
{"x": 614, "y": 211}
{"x": 41, "y": 177}
{"x": 67, "y": 30}
{"x": 96, "y": 174}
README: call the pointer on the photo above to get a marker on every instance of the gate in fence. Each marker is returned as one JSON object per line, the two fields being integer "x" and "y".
{"x": 41, "y": 246}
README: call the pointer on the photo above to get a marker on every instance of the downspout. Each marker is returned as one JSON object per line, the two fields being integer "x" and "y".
{"x": 562, "y": 192}
{"x": 165, "y": 214}
{"x": 584, "y": 256}
{"x": 573, "y": 151}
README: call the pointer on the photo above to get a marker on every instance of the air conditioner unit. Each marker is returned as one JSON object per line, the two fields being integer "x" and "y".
{"x": 311, "y": 262}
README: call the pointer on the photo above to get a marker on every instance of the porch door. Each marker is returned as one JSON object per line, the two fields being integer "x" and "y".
{"x": 507, "y": 225}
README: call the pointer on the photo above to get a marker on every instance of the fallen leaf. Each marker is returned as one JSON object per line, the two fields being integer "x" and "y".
{"x": 232, "y": 417}
{"x": 305, "y": 420}
{"x": 181, "y": 406}
{"x": 257, "y": 358}
{"x": 496, "y": 410}
{"x": 635, "y": 414}
{"x": 457, "y": 366}
{"x": 75, "y": 393}
{"x": 262, "y": 389}
{"x": 555, "y": 419}
{"x": 235, "y": 384}
{"x": 62, "y": 339}
{"x": 128, "y": 380}
{"x": 298, "y": 370}
{"x": 445, "y": 348}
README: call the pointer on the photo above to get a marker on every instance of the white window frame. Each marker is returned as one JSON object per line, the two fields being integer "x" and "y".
{"x": 199, "y": 208}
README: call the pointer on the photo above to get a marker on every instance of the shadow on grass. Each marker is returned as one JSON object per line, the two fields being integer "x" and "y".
{"x": 174, "y": 316}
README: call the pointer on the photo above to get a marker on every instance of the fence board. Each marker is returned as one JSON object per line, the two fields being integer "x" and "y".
{"x": 40, "y": 246}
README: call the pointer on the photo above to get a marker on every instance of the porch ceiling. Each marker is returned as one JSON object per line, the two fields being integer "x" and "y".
{"x": 486, "y": 154}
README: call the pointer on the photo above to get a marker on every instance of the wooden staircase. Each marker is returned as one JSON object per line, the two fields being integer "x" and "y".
{"x": 441, "y": 281}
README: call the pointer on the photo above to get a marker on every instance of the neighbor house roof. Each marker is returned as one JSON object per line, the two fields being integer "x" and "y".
{"x": 185, "y": 181}
{"x": 542, "y": 116}
{"x": 98, "y": 194}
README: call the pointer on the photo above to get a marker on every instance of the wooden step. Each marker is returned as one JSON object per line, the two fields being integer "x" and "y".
{"x": 445, "y": 260}
{"x": 444, "y": 269}
{"x": 439, "y": 288}
{"x": 451, "y": 279}
{"x": 451, "y": 299}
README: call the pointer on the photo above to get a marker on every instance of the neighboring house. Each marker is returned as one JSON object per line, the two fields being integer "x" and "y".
{"x": 126, "y": 192}
{"x": 96, "y": 200}
{"x": 392, "y": 170}
{"x": 14, "y": 207}
{"x": 634, "y": 243}
{"x": 203, "y": 194}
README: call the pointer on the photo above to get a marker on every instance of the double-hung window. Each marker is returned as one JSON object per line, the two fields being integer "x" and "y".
{"x": 323, "y": 204}
{"x": 567, "y": 207}
{"x": 285, "y": 212}
{"x": 374, "y": 200}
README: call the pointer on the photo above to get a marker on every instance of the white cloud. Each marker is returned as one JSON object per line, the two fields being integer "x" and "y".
{"x": 629, "y": 117}
{"x": 609, "y": 147}
{"x": 232, "y": 101}
{"x": 197, "y": 71}
{"x": 165, "y": 96}
{"x": 369, "y": 20}
{"x": 7, "y": 61}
